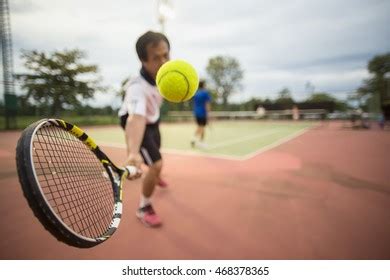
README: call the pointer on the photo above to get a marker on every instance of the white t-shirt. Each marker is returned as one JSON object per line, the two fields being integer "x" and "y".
{"x": 141, "y": 99}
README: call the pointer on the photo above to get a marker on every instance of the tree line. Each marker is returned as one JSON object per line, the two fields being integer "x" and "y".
{"x": 59, "y": 83}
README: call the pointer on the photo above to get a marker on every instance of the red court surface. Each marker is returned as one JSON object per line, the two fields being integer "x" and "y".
{"x": 322, "y": 195}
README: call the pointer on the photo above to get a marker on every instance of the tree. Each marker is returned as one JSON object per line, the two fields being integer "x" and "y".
{"x": 324, "y": 97}
{"x": 226, "y": 75}
{"x": 358, "y": 98}
{"x": 122, "y": 91}
{"x": 377, "y": 88}
{"x": 321, "y": 97}
{"x": 252, "y": 104}
{"x": 285, "y": 98}
{"x": 58, "y": 80}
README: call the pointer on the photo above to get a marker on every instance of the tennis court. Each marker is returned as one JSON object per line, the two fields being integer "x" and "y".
{"x": 323, "y": 194}
{"x": 225, "y": 139}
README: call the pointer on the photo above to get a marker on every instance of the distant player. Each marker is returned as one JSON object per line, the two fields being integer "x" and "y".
{"x": 201, "y": 110}
{"x": 295, "y": 113}
{"x": 260, "y": 112}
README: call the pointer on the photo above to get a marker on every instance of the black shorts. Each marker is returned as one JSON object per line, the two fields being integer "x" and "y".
{"x": 151, "y": 142}
{"x": 201, "y": 121}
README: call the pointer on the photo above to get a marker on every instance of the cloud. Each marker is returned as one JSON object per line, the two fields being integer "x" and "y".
{"x": 278, "y": 43}
{"x": 22, "y": 6}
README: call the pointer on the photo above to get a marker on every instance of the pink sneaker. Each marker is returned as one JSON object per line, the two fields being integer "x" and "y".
{"x": 161, "y": 183}
{"x": 147, "y": 216}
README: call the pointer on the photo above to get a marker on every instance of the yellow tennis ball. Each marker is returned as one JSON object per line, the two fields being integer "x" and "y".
{"x": 177, "y": 80}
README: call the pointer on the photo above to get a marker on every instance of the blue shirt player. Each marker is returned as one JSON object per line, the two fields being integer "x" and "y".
{"x": 201, "y": 109}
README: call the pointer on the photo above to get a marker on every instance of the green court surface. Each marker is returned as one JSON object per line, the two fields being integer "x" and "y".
{"x": 223, "y": 138}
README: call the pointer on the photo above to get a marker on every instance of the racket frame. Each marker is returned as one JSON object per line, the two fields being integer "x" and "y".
{"x": 36, "y": 198}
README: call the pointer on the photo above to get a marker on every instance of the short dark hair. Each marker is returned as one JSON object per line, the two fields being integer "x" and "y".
{"x": 202, "y": 83}
{"x": 149, "y": 37}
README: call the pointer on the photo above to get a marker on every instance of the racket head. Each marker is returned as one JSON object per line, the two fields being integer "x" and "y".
{"x": 72, "y": 187}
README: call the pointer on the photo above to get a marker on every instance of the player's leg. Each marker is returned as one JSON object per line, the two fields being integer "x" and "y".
{"x": 146, "y": 212}
{"x": 197, "y": 134}
{"x": 151, "y": 178}
{"x": 152, "y": 157}
{"x": 201, "y": 133}
{"x": 203, "y": 128}
{"x": 202, "y": 125}
{"x": 157, "y": 136}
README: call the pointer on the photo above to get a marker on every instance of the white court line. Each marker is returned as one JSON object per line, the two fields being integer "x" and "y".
{"x": 275, "y": 144}
{"x": 173, "y": 151}
{"x": 236, "y": 158}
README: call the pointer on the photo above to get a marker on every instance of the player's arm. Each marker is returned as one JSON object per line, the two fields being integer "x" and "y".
{"x": 135, "y": 124}
{"x": 135, "y": 129}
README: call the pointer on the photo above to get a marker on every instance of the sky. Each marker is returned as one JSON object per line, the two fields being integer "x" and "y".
{"x": 278, "y": 43}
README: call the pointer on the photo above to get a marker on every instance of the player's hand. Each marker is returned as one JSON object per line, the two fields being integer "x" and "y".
{"x": 134, "y": 161}
{"x": 133, "y": 172}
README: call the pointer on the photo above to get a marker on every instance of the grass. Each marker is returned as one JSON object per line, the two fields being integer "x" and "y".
{"x": 227, "y": 138}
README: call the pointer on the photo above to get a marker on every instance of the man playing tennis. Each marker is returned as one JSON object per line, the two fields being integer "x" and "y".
{"x": 201, "y": 109}
{"x": 140, "y": 114}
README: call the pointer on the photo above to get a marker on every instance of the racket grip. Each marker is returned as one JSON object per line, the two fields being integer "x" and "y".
{"x": 132, "y": 171}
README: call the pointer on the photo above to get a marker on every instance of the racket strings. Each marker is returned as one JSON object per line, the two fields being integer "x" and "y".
{"x": 91, "y": 209}
{"x": 88, "y": 208}
{"x": 73, "y": 181}
{"x": 79, "y": 223}
{"x": 70, "y": 217}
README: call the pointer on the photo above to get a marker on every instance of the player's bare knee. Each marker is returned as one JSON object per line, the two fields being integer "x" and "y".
{"x": 156, "y": 167}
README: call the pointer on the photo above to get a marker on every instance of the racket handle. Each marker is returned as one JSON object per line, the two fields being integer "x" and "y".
{"x": 132, "y": 171}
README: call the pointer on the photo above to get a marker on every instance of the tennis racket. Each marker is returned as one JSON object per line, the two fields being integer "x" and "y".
{"x": 72, "y": 187}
